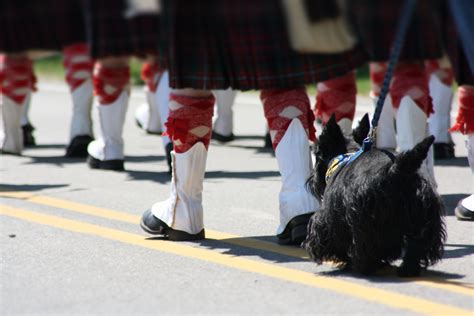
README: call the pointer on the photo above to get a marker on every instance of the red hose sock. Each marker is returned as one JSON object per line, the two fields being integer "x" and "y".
{"x": 110, "y": 82}
{"x": 17, "y": 79}
{"x": 151, "y": 75}
{"x": 337, "y": 96}
{"x": 78, "y": 64}
{"x": 465, "y": 119}
{"x": 189, "y": 121}
{"x": 377, "y": 72}
{"x": 282, "y": 106}
{"x": 411, "y": 80}
{"x": 444, "y": 72}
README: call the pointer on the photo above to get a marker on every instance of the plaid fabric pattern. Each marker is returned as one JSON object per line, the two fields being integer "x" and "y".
{"x": 44, "y": 24}
{"x": 455, "y": 52}
{"x": 111, "y": 34}
{"x": 375, "y": 22}
{"x": 215, "y": 44}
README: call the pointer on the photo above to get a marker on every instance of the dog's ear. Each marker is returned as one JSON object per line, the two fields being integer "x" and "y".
{"x": 410, "y": 161}
{"x": 331, "y": 141}
{"x": 362, "y": 130}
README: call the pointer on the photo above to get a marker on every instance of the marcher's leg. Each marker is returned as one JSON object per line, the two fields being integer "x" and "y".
{"x": 337, "y": 96}
{"x": 291, "y": 122}
{"x": 465, "y": 124}
{"x": 26, "y": 126}
{"x": 15, "y": 86}
{"x": 189, "y": 126}
{"x": 385, "y": 133}
{"x": 412, "y": 102}
{"x": 78, "y": 65}
{"x": 162, "y": 98}
{"x": 223, "y": 126}
{"x": 111, "y": 85}
{"x": 440, "y": 77}
{"x": 147, "y": 115}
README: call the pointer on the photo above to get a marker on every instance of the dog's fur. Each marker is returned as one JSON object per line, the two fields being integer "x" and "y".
{"x": 375, "y": 210}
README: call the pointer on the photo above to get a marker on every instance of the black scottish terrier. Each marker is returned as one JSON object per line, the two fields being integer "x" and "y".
{"x": 375, "y": 209}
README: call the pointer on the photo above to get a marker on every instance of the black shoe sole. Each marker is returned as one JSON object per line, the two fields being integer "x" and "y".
{"x": 28, "y": 138}
{"x": 9, "y": 153}
{"x": 77, "y": 148}
{"x": 114, "y": 165}
{"x": 295, "y": 231}
{"x": 147, "y": 229}
{"x": 147, "y": 131}
{"x": 178, "y": 235}
{"x": 172, "y": 234}
{"x": 222, "y": 138}
{"x": 463, "y": 214}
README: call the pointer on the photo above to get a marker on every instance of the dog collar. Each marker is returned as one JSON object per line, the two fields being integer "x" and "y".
{"x": 339, "y": 162}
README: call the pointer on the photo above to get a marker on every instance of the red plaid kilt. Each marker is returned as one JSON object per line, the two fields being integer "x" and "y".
{"x": 376, "y": 22}
{"x": 111, "y": 34}
{"x": 216, "y": 44}
{"x": 40, "y": 24}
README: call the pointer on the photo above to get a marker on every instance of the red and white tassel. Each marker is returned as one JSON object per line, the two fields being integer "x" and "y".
{"x": 282, "y": 106}
{"x": 189, "y": 121}
{"x": 78, "y": 64}
{"x": 109, "y": 82}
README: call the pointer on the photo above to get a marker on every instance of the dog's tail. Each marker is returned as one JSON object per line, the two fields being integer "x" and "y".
{"x": 410, "y": 161}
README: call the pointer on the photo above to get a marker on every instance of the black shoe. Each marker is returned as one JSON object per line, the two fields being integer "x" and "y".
{"x": 168, "y": 150}
{"x": 155, "y": 226}
{"x": 443, "y": 150}
{"x": 268, "y": 142}
{"x": 77, "y": 148}
{"x": 147, "y": 131}
{"x": 222, "y": 138}
{"x": 295, "y": 231}
{"x": 28, "y": 138}
{"x": 138, "y": 124}
{"x": 463, "y": 214}
{"x": 3, "y": 152}
{"x": 115, "y": 165}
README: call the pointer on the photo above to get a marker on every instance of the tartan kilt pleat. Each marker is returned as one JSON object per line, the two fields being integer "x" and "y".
{"x": 40, "y": 25}
{"x": 215, "y": 44}
{"x": 375, "y": 22}
{"x": 110, "y": 33}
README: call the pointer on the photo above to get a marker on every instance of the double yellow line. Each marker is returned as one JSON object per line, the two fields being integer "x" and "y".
{"x": 395, "y": 300}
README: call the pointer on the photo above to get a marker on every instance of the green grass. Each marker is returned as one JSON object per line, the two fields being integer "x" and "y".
{"x": 363, "y": 80}
{"x": 52, "y": 68}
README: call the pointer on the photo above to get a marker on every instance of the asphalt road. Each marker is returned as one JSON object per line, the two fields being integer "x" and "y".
{"x": 71, "y": 244}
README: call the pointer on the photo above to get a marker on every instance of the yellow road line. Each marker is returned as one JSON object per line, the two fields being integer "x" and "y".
{"x": 134, "y": 219}
{"x": 452, "y": 286}
{"x": 380, "y": 296}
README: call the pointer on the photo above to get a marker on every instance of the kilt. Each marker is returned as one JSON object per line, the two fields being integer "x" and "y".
{"x": 215, "y": 44}
{"x": 455, "y": 51}
{"x": 110, "y": 34}
{"x": 376, "y": 21}
{"x": 43, "y": 25}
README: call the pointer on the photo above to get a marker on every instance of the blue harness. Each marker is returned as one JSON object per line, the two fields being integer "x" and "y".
{"x": 337, "y": 163}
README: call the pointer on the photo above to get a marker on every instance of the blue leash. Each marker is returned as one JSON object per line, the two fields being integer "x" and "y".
{"x": 337, "y": 163}
{"x": 406, "y": 14}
